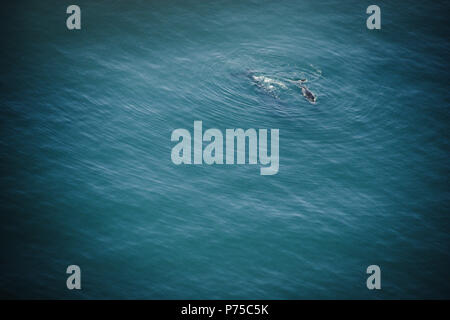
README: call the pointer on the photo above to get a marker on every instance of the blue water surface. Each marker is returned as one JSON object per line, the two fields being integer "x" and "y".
{"x": 87, "y": 177}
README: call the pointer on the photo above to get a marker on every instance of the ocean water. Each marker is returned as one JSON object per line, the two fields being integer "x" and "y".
{"x": 86, "y": 171}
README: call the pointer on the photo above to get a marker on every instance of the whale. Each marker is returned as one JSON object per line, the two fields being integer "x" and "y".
{"x": 308, "y": 94}
{"x": 311, "y": 97}
{"x": 271, "y": 85}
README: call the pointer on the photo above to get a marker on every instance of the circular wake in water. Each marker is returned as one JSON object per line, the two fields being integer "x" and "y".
{"x": 255, "y": 79}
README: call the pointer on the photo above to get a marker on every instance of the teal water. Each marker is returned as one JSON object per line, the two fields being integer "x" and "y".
{"x": 87, "y": 178}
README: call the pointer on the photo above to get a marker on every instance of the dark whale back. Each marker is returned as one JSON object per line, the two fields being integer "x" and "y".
{"x": 308, "y": 94}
